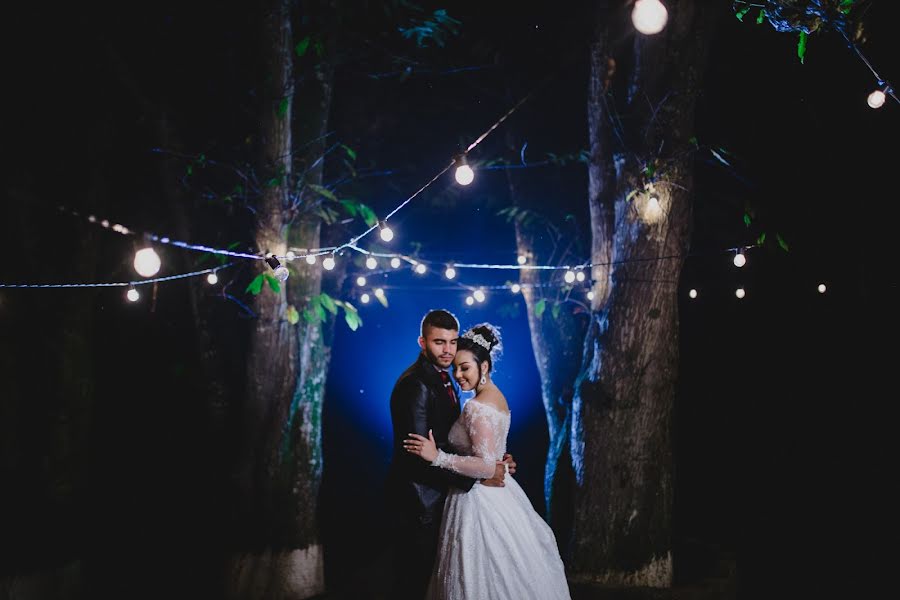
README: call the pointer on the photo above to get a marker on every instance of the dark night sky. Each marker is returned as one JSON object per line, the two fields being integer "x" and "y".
{"x": 779, "y": 429}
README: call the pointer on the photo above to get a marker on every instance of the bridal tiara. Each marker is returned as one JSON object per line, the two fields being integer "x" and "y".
{"x": 478, "y": 339}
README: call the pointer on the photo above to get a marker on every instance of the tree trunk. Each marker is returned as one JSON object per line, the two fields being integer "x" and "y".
{"x": 621, "y": 430}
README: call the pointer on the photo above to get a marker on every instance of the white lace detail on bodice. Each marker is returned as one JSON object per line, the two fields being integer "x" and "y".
{"x": 478, "y": 438}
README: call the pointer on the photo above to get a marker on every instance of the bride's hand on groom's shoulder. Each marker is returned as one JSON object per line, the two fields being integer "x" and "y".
{"x": 425, "y": 448}
{"x": 510, "y": 464}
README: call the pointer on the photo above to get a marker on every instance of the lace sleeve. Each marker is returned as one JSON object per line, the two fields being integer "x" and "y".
{"x": 483, "y": 433}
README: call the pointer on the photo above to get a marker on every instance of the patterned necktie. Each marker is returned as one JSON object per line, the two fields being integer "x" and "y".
{"x": 445, "y": 377}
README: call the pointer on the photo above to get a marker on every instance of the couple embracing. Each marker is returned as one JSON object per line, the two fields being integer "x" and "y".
{"x": 463, "y": 528}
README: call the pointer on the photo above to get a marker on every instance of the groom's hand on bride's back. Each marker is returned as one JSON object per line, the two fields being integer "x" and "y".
{"x": 497, "y": 479}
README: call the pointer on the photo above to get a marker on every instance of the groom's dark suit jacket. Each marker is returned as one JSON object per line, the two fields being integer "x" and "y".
{"x": 420, "y": 402}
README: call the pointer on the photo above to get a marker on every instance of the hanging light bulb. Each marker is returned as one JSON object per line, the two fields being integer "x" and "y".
{"x": 821, "y": 288}
{"x": 212, "y": 279}
{"x": 740, "y": 293}
{"x": 479, "y": 295}
{"x": 470, "y": 300}
{"x": 371, "y": 263}
{"x": 692, "y": 294}
{"x": 379, "y": 293}
{"x": 464, "y": 173}
{"x": 364, "y": 298}
{"x": 387, "y": 234}
{"x": 590, "y": 295}
{"x": 421, "y": 268}
{"x": 522, "y": 259}
{"x": 132, "y": 295}
{"x": 739, "y": 259}
{"x": 310, "y": 259}
{"x": 360, "y": 281}
{"x": 290, "y": 255}
{"x": 146, "y": 262}
{"x": 876, "y": 99}
{"x": 279, "y": 270}
{"x": 395, "y": 262}
{"x": 450, "y": 273}
{"x": 570, "y": 276}
{"x": 653, "y": 209}
{"x": 328, "y": 263}
{"x": 649, "y": 16}
{"x": 516, "y": 288}
{"x": 579, "y": 275}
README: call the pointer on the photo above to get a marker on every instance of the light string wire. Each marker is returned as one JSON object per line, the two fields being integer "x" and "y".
{"x": 116, "y": 283}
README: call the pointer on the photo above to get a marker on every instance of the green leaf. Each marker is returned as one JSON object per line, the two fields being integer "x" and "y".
{"x": 319, "y": 312}
{"x": 781, "y": 242}
{"x": 693, "y": 142}
{"x": 555, "y": 310}
{"x": 351, "y": 316}
{"x": 255, "y": 286}
{"x": 328, "y": 302}
{"x": 302, "y": 46}
{"x": 740, "y": 14}
{"x": 308, "y": 316}
{"x": 273, "y": 282}
{"x": 350, "y": 151}
{"x": 631, "y": 195}
{"x": 746, "y": 219}
{"x": 283, "y": 107}
{"x": 845, "y": 6}
{"x": 367, "y": 214}
{"x": 351, "y": 206}
{"x": 322, "y": 191}
{"x": 761, "y": 239}
{"x": 761, "y": 17}
{"x": 801, "y": 45}
{"x": 190, "y": 169}
{"x": 539, "y": 308}
{"x": 292, "y": 315}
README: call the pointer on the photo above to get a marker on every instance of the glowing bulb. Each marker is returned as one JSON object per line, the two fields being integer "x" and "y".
{"x": 470, "y": 300}
{"x": 579, "y": 275}
{"x": 450, "y": 273}
{"x": 740, "y": 260}
{"x": 692, "y": 294}
{"x": 590, "y": 295}
{"x": 522, "y": 259}
{"x": 876, "y": 99}
{"x": 379, "y": 293}
{"x": 360, "y": 281}
{"x": 464, "y": 175}
{"x": 420, "y": 269}
{"x": 479, "y": 295}
{"x": 132, "y": 295}
{"x": 290, "y": 255}
{"x": 371, "y": 263}
{"x": 146, "y": 262}
{"x": 516, "y": 288}
{"x": 570, "y": 276}
{"x": 328, "y": 263}
{"x": 821, "y": 288}
{"x": 364, "y": 298}
{"x": 279, "y": 270}
{"x": 212, "y": 279}
{"x": 649, "y": 16}
{"x": 310, "y": 259}
{"x": 395, "y": 262}
{"x": 740, "y": 293}
{"x": 387, "y": 234}
{"x": 652, "y": 210}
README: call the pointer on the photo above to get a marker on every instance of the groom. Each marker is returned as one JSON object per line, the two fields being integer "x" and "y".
{"x": 425, "y": 398}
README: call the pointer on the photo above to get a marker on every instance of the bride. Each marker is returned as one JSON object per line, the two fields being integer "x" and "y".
{"x": 493, "y": 544}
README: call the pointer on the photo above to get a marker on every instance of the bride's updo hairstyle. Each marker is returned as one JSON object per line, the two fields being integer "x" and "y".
{"x": 483, "y": 341}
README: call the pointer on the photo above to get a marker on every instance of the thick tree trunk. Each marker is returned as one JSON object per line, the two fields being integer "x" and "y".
{"x": 621, "y": 431}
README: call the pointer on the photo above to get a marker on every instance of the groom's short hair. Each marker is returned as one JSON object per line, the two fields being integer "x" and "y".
{"x": 440, "y": 318}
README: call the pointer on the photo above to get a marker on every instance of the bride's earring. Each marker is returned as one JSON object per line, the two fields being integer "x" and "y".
{"x": 483, "y": 380}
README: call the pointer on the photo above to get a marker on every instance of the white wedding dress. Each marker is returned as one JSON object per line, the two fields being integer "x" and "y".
{"x": 493, "y": 544}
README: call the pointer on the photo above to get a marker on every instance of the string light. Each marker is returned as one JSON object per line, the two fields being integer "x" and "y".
{"x": 360, "y": 281}
{"x": 522, "y": 259}
{"x": 821, "y": 288}
{"x": 364, "y": 298}
{"x": 146, "y": 262}
{"x": 692, "y": 294}
{"x": 470, "y": 300}
{"x": 579, "y": 275}
{"x": 420, "y": 268}
{"x": 570, "y": 276}
{"x": 479, "y": 295}
{"x": 515, "y": 288}
{"x": 450, "y": 273}
{"x": 279, "y": 270}
{"x": 290, "y": 255}
{"x": 132, "y": 295}
{"x": 739, "y": 259}
{"x": 387, "y": 234}
{"x": 310, "y": 259}
{"x": 212, "y": 279}
{"x": 371, "y": 263}
{"x": 379, "y": 293}
{"x": 740, "y": 293}
{"x": 590, "y": 295}
{"x": 328, "y": 263}
{"x": 395, "y": 262}
{"x": 649, "y": 16}
{"x": 464, "y": 173}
